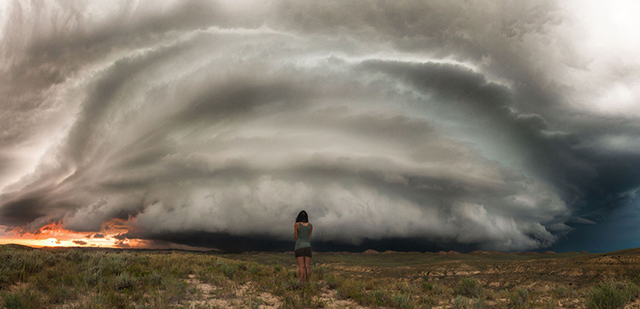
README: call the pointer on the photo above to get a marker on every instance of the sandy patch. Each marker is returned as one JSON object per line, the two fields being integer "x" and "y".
{"x": 242, "y": 296}
{"x": 328, "y": 296}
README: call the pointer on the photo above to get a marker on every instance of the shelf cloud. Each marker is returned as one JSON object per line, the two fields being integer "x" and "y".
{"x": 462, "y": 125}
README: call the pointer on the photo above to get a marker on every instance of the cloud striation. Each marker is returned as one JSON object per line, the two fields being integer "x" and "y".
{"x": 426, "y": 124}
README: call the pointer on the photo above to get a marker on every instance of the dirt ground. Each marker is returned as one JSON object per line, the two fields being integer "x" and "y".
{"x": 542, "y": 274}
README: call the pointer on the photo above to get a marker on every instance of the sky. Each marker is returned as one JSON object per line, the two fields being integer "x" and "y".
{"x": 397, "y": 125}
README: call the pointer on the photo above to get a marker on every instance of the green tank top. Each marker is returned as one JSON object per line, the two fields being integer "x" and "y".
{"x": 303, "y": 236}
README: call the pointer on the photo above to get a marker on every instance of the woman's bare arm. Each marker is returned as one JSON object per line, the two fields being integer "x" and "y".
{"x": 295, "y": 231}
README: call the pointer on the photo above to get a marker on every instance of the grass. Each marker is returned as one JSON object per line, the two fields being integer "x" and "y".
{"x": 469, "y": 287}
{"x": 611, "y": 294}
{"x": 75, "y": 278}
{"x": 519, "y": 298}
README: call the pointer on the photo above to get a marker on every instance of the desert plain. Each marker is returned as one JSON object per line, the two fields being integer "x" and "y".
{"x": 134, "y": 278}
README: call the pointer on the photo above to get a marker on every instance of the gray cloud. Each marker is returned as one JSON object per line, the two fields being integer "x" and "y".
{"x": 426, "y": 121}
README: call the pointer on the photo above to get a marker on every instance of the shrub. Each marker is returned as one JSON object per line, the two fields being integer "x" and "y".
{"x": 13, "y": 300}
{"x": 469, "y": 287}
{"x": 292, "y": 274}
{"x": 125, "y": 281}
{"x": 75, "y": 255}
{"x": 519, "y": 298}
{"x": 25, "y": 298}
{"x": 331, "y": 282}
{"x": 229, "y": 270}
{"x": 477, "y": 303}
{"x": 402, "y": 301}
{"x": 610, "y": 294}
{"x": 255, "y": 303}
{"x": 427, "y": 302}
{"x": 351, "y": 288}
{"x": 113, "y": 299}
{"x": 291, "y": 284}
{"x": 433, "y": 288}
{"x": 174, "y": 288}
{"x": 426, "y": 286}
{"x": 253, "y": 269}
{"x": 320, "y": 272}
{"x": 155, "y": 278}
{"x": 60, "y": 294}
{"x": 563, "y": 292}
{"x": 461, "y": 302}
{"x": 93, "y": 275}
{"x": 294, "y": 300}
{"x": 378, "y": 298}
{"x": 8, "y": 276}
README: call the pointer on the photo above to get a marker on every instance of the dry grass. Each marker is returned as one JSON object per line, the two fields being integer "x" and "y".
{"x": 76, "y": 278}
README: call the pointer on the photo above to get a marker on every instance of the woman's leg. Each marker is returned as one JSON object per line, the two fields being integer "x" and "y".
{"x": 300, "y": 260}
{"x": 307, "y": 265}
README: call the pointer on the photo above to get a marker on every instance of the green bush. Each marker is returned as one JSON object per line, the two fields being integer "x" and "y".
{"x": 612, "y": 294}
{"x": 469, "y": 287}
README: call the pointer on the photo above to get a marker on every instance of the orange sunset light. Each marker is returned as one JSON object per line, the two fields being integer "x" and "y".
{"x": 53, "y": 235}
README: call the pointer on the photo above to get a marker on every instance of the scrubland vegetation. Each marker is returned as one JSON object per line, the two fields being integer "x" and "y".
{"x": 82, "y": 278}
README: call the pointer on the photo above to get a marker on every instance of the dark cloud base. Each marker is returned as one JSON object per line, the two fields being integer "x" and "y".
{"x": 236, "y": 244}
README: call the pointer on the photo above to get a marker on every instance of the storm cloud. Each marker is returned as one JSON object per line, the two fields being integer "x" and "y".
{"x": 433, "y": 124}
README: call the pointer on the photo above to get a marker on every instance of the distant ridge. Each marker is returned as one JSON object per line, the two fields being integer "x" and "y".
{"x": 451, "y": 252}
{"x": 481, "y": 252}
{"x": 16, "y": 247}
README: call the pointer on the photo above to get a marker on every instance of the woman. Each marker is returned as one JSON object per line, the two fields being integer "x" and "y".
{"x": 302, "y": 233}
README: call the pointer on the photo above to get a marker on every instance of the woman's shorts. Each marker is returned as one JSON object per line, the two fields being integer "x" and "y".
{"x": 303, "y": 252}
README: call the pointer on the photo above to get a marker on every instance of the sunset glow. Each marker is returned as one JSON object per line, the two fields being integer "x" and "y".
{"x": 54, "y": 235}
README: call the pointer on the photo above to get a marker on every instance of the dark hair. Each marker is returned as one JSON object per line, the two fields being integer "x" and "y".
{"x": 302, "y": 217}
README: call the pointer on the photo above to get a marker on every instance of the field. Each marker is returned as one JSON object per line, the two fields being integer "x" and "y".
{"x": 107, "y": 278}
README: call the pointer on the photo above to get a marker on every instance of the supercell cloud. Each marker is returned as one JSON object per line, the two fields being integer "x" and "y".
{"x": 482, "y": 124}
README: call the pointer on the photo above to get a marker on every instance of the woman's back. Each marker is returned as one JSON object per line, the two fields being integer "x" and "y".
{"x": 303, "y": 236}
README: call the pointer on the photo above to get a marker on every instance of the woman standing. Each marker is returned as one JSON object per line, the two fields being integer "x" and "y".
{"x": 302, "y": 233}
